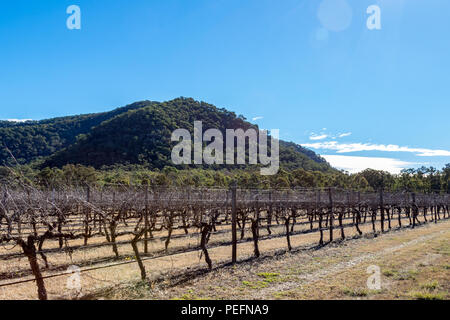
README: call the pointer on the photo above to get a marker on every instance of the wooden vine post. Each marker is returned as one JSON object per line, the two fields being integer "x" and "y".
{"x": 288, "y": 237}
{"x": 330, "y": 195}
{"x": 86, "y": 217}
{"x": 382, "y": 209}
{"x": 255, "y": 229}
{"x": 269, "y": 214}
{"x": 233, "y": 224}
{"x": 358, "y": 214}
{"x": 319, "y": 208}
{"x": 146, "y": 222}
{"x": 414, "y": 210}
{"x": 433, "y": 208}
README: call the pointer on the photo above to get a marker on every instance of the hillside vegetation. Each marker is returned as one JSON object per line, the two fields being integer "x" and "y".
{"x": 32, "y": 140}
{"x": 138, "y": 134}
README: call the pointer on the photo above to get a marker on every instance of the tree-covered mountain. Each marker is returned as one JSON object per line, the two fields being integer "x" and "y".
{"x": 136, "y": 134}
{"x": 32, "y": 140}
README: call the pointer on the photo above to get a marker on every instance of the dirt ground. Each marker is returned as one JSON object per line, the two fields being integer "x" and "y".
{"x": 414, "y": 264}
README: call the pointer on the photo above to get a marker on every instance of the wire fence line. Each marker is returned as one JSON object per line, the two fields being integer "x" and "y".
{"x": 173, "y": 196}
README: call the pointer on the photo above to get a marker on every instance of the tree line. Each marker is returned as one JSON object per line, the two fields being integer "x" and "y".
{"x": 422, "y": 180}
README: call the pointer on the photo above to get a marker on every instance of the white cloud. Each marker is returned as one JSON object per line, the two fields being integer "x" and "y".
{"x": 342, "y": 135}
{"x": 18, "y": 120}
{"x": 356, "y": 147}
{"x": 257, "y": 118}
{"x": 358, "y": 164}
{"x": 322, "y": 135}
{"x": 318, "y": 137}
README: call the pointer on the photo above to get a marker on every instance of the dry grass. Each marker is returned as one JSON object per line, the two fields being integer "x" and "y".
{"x": 280, "y": 276}
{"x": 418, "y": 257}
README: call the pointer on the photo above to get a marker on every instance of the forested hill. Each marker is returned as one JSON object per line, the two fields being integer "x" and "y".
{"x": 31, "y": 140}
{"x": 136, "y": 134}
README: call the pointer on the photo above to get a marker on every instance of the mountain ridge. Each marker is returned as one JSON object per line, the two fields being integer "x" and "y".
{"x": 138, "y": 133}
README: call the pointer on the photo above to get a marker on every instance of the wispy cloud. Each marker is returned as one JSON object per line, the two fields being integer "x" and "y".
{"x": 318, "y": 137}
{"x": 342, "y": 135}
{"x": 324, "y": 135}
{"x": 18, "y": 120}
{"x": 257, "y": 118}
{"x": 358, "y": 164}
{"x": 356, "y": 147}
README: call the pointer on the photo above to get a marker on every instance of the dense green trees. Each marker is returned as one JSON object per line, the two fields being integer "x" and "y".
{"x": 25, "y": 142}
{"x": 378, "y": 179}
{"x": 74, "y": 175}
{"x": 424, "y": 180}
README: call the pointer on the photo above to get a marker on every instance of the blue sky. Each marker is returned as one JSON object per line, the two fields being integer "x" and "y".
{"x": 362, "y": 98}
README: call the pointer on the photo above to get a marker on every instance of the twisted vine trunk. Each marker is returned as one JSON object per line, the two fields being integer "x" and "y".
{"x": 170, "y": 230}
{"x": 269, "y": 221}
{"x": 389, "y": 218}
{"x": 331, "y": 226}
{"x": 374, "y": 218}
{"x": 113, "y": 239}
{"x": 244, "y": 218}
{"x": 341, "y": 225}
{"x": 288, "y": 236}
{"x": 255, "y": 237}
{"x": 320, "y": 229}
{"x": 29, "y": 249}
{"x": 206, "y": 228}
{"x": 357, "y": 214}
{"x": 134, "y": 243}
